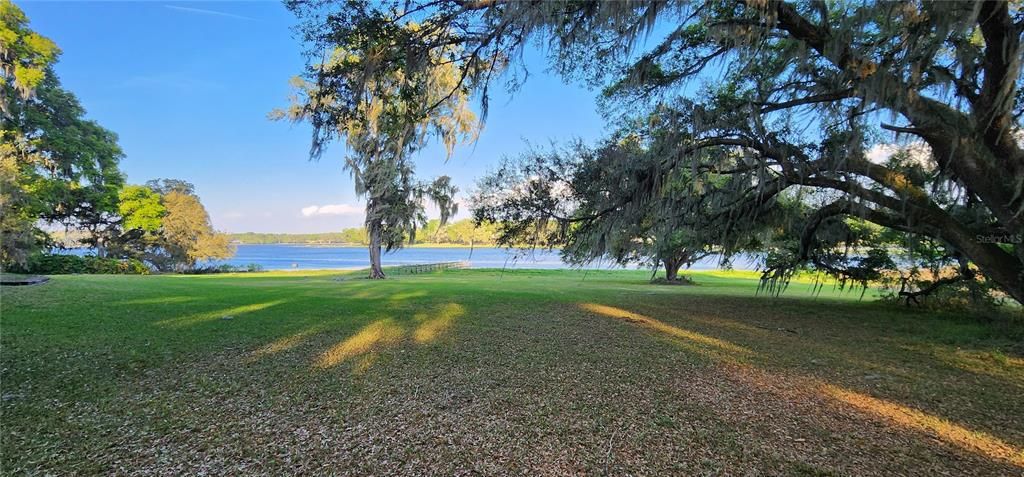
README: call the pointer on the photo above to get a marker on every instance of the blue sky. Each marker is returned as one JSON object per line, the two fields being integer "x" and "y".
{"x": 187, "y": 87}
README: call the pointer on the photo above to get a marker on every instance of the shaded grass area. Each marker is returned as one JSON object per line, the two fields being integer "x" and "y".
{"x": 491, "y": 372}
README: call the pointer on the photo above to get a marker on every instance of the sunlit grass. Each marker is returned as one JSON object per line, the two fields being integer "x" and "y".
{"x": 427, "y": 327}
{"x": 945, "y": 430}
{"x": 284, "y": 344}
{"x": 164, "y": 300}
{"x": 374, "y": 335}
{"x": 674, "y": 331}
{"x": 226, "y": 313}
{"x": 432, "y": 325}
{"x": 545, "y": 372}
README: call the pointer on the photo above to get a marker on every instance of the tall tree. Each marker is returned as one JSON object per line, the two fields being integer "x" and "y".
{"x": 166, "y": 186}
{"x": 58, "y": 166}
{"x": 137, "y": 234}
{"x": 19, "y": 235}
{"x": 25, "y": 56}
{"x": 582, "y": 199}
{"x": 801, "y": 92}
{"x": 384, "y": 121}
{"x": 166, "y": 227}
{"x": 187, "y": 236}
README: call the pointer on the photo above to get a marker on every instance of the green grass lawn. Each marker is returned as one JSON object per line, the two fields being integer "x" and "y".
{"x": 484, "y": 372}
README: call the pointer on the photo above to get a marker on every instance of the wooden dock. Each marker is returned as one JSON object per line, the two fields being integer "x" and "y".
{"x": 427, "y": 267}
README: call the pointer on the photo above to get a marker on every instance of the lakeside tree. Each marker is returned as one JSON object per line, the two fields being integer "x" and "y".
{"x": 467, "y": 232}
{"x": 18, "y": 234}
{"x": 384, "y": 121}
{"x": 141, "y": 212}
{"x": 187, "y": 236}
{"x": 141, "y": 209}
{"x": 355, "y": 235}
{"x": 799, "y": 94}
{"x": 165, "y": 225}
{"x": 57, "y": 166}
{"x": 579, "y": 198}
{"x": 166, "y": 186}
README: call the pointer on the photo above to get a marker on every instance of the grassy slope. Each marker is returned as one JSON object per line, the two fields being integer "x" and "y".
{"x": 539, "y": 372}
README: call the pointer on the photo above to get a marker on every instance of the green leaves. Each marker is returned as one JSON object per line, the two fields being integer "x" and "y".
{"x": 164, "y": 223}
{"x": 385, "y": 95}
{"x": 141, "y": 209}
{"x": 25, "y": 56}
{"x": 58, "y": 166}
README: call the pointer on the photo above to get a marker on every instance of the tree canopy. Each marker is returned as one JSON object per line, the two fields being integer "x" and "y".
{"x": 775, "y": 101}
{"x": 582, "y": 198}
{"x": 57, "y": 166}
{"x": 141, "y": 208}
{"x": 187, "y": 235}
{"x": 165, "y": 225}
{"x": 59, "y": 169}
{"x": 382, "y": 128}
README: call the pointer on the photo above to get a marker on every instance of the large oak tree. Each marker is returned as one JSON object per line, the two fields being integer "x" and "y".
{"x": 55, "y": 165}
{"x": 381, "y": 122}
{"x": 798, "y": 94}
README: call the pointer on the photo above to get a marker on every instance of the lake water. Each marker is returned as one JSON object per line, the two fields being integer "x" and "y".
{"x": 318, "y": 257}
{"x": 306, "y": 257}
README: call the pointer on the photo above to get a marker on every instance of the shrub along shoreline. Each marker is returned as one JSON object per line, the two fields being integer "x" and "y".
{"x": 57, "y": 264}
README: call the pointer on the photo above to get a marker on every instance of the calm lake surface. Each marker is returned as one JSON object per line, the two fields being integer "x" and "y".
{"x": 319, "y": 257}
{"x": 306, "y": 257}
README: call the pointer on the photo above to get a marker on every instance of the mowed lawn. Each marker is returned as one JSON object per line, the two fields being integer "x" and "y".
{"x": 481, "y": 372}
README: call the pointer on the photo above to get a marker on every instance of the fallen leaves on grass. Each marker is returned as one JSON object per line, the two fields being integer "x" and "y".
{"x": 381, "y": 333}
{"x": 536, "y": 383}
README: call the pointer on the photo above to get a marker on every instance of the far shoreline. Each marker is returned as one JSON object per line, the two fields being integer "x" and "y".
{"x": 358, "y": 245}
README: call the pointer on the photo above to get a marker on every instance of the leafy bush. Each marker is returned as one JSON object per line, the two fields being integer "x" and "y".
{"x": 680, "y": 280}
{"x": 55, "y": 264}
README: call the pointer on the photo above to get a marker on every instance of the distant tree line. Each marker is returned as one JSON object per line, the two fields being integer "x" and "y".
{"x": 60, "y": 172}
{"x": 462, "y": 232}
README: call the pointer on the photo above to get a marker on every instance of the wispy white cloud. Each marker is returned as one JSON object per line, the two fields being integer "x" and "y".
{"x": 916, "y": 152}
{"x": 203, "y": 11}
{"x": 879, "y": 153}
{"x": 331, "y": 209}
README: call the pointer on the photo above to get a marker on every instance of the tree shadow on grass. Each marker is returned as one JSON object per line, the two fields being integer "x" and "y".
{"x": 738, "y": 358}
{"x": 225, "y": 313}
{"x": 362, "y": 346}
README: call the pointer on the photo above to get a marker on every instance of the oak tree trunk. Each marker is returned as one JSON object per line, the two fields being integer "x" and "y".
{"x": 672, "y": 269}
{"x": 376, "y": 271}
{"x": 1003, "y": 268}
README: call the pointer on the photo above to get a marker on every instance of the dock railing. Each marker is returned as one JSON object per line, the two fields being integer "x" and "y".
{"x": 428, "y": 267}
